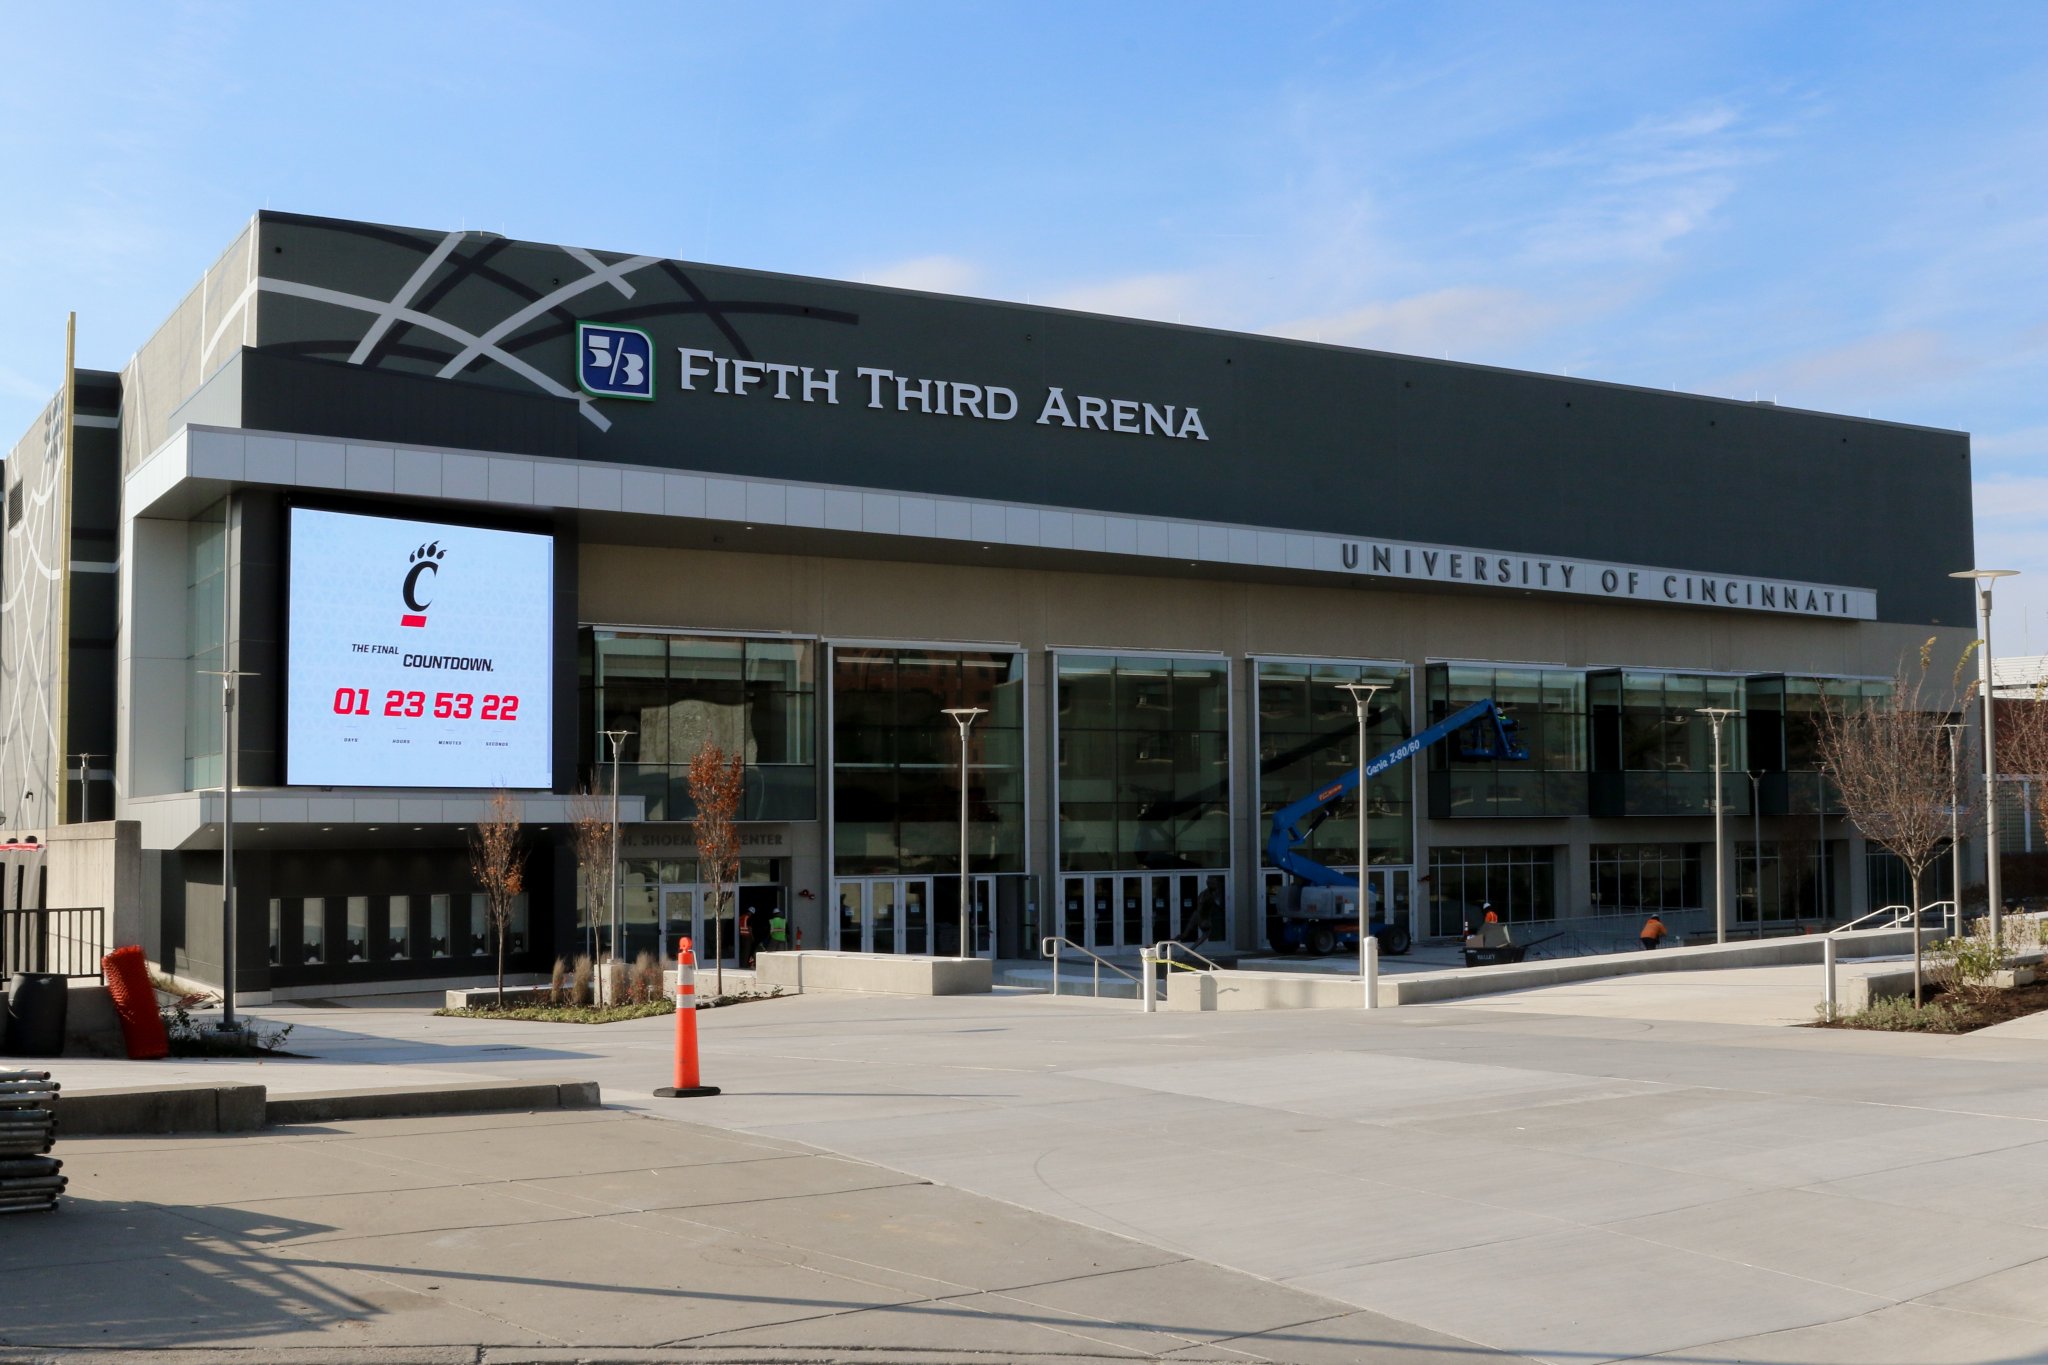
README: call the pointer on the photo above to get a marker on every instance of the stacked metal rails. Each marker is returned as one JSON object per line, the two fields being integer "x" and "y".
{"x": 29, "y": 1175}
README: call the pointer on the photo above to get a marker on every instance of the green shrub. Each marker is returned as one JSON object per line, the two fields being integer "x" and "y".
{"x": 1898, "y": 1014}
{"x": 565, "y": 1014}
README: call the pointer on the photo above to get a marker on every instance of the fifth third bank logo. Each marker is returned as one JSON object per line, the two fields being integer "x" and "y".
{"x": 614, "y": 362}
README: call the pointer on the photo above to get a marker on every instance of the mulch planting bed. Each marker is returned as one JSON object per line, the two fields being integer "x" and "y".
{"x": 1948, "y": 1012}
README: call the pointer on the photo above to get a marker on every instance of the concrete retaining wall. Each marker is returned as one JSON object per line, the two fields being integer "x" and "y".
{"x": 207, "y": 1107}
{"x": 1253, "y": 990}
{"x": 1855, "y": 994}
{"x": 872, "y": 973}
{"x": 1242, "y": 990}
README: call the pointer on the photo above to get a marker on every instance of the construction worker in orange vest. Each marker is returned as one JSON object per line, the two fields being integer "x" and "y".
{"x": 1653, "y": 932}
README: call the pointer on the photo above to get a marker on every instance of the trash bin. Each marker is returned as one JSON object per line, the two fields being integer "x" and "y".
{"x": 36, "y": 1010}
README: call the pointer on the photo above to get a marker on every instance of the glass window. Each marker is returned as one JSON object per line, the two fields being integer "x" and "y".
{"x": 358, "y": 933}
{"x": 480, "y": 944}
{"x": 205, "y": 631}
{"x": 438, "y": 926}
{"x": 897, "y": 760}
{"x": 276, "y": 930}
{"x": 400, "y": 928}
{"x": 1308, "y": 738}
{"x": 1655, "y": 753}
{"x": 1548, "y": 707}
{"x": 1520, "y": 883}
{"x": 676, "y": 692}
{"x": 1644, "y": 877}
{"x": 1143, "y": 770}
{"x": 313, "y": 930}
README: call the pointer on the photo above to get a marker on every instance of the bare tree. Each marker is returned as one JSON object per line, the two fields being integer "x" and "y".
{"x": 716, "y": 782}
{"x": 2023, "y": 746}
{"x": 590, "y": 818}
{"x": 499, "y": 865}
{"x": 1890, "y": 761}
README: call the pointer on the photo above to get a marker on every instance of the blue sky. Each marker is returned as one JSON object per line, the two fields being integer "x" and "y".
{"x": 1839, "y": 206}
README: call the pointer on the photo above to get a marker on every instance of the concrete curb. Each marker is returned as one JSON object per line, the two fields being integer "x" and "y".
{"x": 203, "y": 1107}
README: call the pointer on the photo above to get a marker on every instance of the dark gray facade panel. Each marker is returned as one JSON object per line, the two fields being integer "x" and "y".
{"x": 1299, "y": 436}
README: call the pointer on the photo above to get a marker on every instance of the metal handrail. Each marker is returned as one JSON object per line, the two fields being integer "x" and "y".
{"x": 1828, "y": 998}
{"x": 1897, "y": 912}
{"x": 1050, "y": 947}
{"x": 1162, "y": 951}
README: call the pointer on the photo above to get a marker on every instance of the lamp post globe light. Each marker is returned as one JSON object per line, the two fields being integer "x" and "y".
{"x": 964, "y": 717}
{"x": 1986, "y": 579}
{"x": 1361, "y": 699}
{"x": 1715, "y": 715}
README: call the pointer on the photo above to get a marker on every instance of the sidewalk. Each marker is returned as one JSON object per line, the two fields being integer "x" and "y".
{"x": 1791, "y": 1195}
{"x": 586, "y": 1236}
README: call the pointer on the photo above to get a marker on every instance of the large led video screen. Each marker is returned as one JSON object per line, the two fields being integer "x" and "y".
{"x": 420, "y": 654}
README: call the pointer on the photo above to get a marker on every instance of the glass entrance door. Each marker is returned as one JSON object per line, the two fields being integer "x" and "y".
{"x": 885, "y": 915}
{"x": 686, "y": 911}
{"x": 982, "y": 928}
{"x": 679, "y": 919}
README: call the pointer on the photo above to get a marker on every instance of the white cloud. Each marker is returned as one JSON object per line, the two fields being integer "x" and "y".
{"x": 933, "y": 274}
{"x": 2023, "y": 443}
{"x": 1462, "y": 320}
{"x": 1853, "y": 374}
{"x": 1161, "y": 297}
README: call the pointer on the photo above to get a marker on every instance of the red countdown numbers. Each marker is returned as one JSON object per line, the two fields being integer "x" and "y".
{"x": 398, "y": 704}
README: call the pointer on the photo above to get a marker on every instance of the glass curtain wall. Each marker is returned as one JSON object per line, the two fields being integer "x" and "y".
{"x": 206, "y": 542}
{"x": 1653, "y": 753}
{"x": 675, "y": 692}
{"x": 1144, "y": 763}
{"x": 1646, "y": 877}
{"x": 1549, "y": 707}
{"x": 896, "y": 761}
{"x": 1784, "y": 736}
{"x": 1308, "y": 738}
{"x": 1519, "y": 881}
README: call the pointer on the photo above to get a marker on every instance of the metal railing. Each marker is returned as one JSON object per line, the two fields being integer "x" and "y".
{"x": 1050, "y": 947}
{"x": 1164, "y": 950}
{"x": 1161, "y": 954}
{"x": 1894, "y": 917}
{"x": 66, "y": 942}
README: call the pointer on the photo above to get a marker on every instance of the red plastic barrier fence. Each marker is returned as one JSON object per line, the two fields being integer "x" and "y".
{"x": 127, "y": 974}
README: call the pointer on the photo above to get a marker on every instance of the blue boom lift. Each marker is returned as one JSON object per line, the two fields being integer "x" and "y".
{"x": 1318, "y": 907}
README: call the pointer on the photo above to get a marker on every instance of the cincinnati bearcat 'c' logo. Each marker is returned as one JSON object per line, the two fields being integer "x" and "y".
{"x": 419, "y": 582}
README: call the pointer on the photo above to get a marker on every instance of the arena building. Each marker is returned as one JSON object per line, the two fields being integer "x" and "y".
{"x": 457, "y": 506}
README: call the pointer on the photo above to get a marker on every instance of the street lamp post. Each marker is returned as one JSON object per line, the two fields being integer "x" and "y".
{"x": 618, "y": 739}
{"x": 1955, "y": 842}
{"x": 1756, "y": 847}
{"x": 229, "y": 745}
{"x": 1361, "y": 700}
{"x": 1986, "y": 579}
{"x": 1715, "y": 715}
{"x": 964, "y": 716}
{"x": 84, "y": 789}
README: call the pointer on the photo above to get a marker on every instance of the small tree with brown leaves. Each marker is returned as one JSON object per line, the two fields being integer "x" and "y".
{"x": 716, "y": 782}
{"x": 499, "y": 865}
{"x": 1890, "y": 761}
{"x": 590, "y": 817}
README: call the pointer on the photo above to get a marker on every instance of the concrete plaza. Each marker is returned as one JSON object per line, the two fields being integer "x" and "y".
{"x": 1558, "y": 1179}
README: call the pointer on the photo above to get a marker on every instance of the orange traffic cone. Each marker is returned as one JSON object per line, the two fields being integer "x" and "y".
{"x": 686, "y": 1085}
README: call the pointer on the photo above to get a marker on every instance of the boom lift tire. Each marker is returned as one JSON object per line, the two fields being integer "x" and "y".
{"x": 1322, "y": 940}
